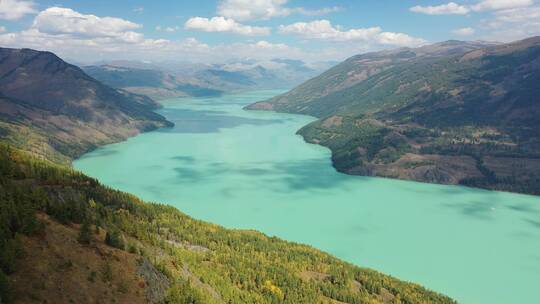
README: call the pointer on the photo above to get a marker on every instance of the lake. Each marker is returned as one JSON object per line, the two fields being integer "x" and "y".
{"x": 247, "y": 169}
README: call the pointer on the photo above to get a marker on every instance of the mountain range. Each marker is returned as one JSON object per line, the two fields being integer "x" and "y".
{"x": 453, "y": 113}
{"x": 170, "y": 80}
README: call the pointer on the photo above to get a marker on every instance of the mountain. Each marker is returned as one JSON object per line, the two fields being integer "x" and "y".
{"x": 155, "y": 84}
{"x": 170, "y": 80}
{"x": 275, "y": 73}
{"x": 54, "y": 109}
{"x": 453, "y": 113}
{"x": 336, "y": 89}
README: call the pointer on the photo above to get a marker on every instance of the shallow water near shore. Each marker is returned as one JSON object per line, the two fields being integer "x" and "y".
{"x": 247, "y": 169}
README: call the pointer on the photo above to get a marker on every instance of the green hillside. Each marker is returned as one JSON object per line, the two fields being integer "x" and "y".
{"x": 454, "y": 112}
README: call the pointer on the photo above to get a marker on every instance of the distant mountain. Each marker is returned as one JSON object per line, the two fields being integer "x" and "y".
{"x": 55, "y": 110}
{"x": 276, "y": 73}
{"x": 170, "y": 80}
{"x": 335, "y": 89}
{"x": 453, "y": 112}
{"x": 156, "y": 84}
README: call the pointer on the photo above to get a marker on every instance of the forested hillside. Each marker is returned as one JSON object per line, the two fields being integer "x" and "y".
{"x": 453, "y": 113}
{"x": 66, "y": 238}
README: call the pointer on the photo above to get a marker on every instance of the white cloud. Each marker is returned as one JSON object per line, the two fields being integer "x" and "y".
{"x": 271, "y": 46}
{"x": 399, "y": 39}
{"x": 252, "y": 9}
{"x": 222, "y": 24}
{"x": 244, "y": 10}
{"x": 513, "y": 24}
{"x": 96, "y": 48}
{"x": 138, "y": 10}
{"x": 507, "y": 20}
{"x": 72, "y": 34}
{"x": 168, "y": 29}
{"x": 465, "y": 31}
{"x": 65, "y": 21}
{"x": 451, "y": 8}
{"x": 2, "y": 29}
{"x": 15, "y": 9}
{"x": 324, "y": 30}
{"x": 486, "y": 5}
{"x": 317, "y": 12}
{"x": 91, "y": 38}
{"x": 519, "y": 15}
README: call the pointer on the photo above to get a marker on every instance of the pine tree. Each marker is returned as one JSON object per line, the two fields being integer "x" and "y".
{"x": 85, "y": 234}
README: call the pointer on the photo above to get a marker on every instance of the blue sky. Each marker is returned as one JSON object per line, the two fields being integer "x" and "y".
{"x": 222, "y": 30}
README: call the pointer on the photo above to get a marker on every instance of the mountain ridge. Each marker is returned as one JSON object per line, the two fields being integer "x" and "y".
{"x": 161, "y": 82}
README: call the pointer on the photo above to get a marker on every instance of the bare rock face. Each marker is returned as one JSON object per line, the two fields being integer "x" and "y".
{"x": 437, "y": 175}
{"x": 157, "y": 283}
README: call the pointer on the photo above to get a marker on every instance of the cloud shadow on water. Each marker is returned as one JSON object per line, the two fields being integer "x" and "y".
{"x": 190, "y": 175}
{"x": 523, "y": 208}
{"x": 309, "y": 174}
{"x": 481, "y": 210}
{"x": 534, "y": 223}
{"x": 283, "y": 177}
{"x": 184, "y": 159}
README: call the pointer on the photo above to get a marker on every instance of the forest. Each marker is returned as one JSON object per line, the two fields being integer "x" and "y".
{"x": 240, "y": 266}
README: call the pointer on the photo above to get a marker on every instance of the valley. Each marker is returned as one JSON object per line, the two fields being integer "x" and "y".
{"x": 213, "y": 157}
{"x": 269, "y": 152}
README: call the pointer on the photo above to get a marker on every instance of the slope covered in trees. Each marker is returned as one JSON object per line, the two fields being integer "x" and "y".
{"x": 453, "y": 112}
{"x": 178, "y": 259}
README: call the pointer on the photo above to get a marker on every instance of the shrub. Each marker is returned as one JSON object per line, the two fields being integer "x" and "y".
{"x": 4, "y": 287}
{"x": 85, "y": 234}
{"x": 114, "y": 239}
{"x": 11, "y": 249}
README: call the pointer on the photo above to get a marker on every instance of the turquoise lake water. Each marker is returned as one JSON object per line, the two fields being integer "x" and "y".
{"x": 246, "y": 169}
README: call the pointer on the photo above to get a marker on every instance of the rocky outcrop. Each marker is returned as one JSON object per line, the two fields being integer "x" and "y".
{"x": 156, "y": 282}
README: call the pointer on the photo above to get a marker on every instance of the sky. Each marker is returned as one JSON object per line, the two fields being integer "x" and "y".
{"x": 215, "y": 31}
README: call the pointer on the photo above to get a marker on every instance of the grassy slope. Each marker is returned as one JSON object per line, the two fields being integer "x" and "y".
{"x": 203, "y": 263}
